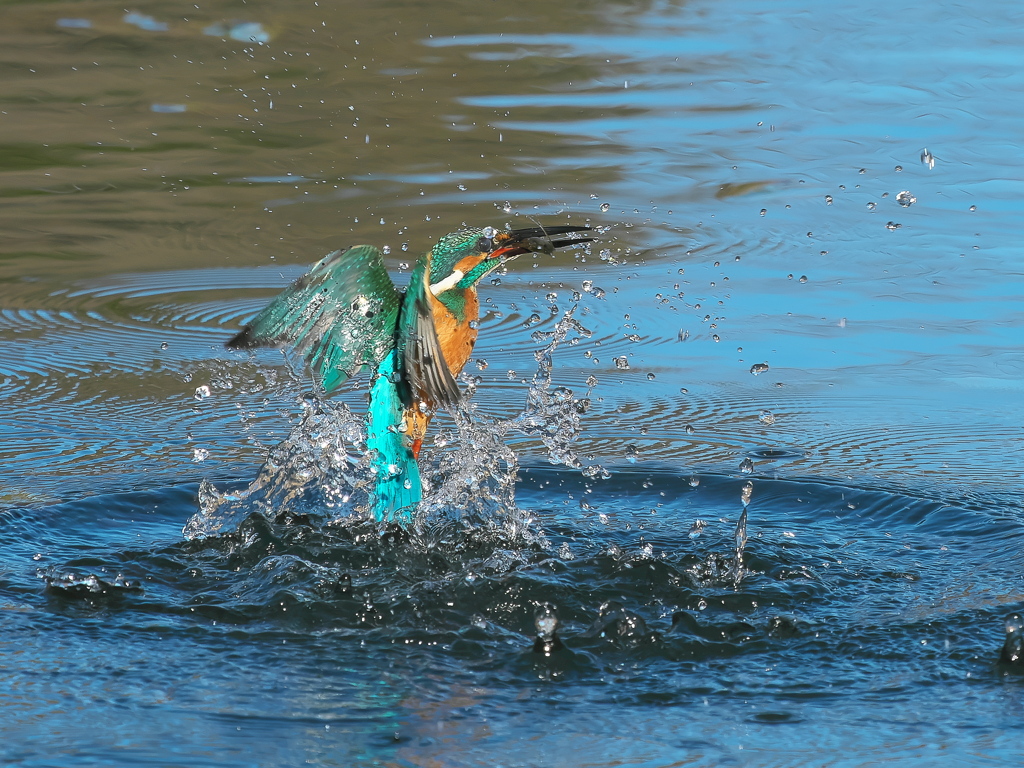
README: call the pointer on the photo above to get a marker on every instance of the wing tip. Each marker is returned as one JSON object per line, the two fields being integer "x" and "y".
{"x": 244, "y": 339}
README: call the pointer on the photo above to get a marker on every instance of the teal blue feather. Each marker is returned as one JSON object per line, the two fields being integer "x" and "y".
{"x": 397, "y": 486}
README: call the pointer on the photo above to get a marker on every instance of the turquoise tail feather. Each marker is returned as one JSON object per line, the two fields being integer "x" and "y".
{"x": 397, "y": 487}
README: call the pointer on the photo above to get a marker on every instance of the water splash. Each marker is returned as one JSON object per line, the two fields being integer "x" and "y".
{"x": 321, "y": 470}
{"x": 546, "y": 621}
{"x": 740, "y": 537}
{"x": 1013, "y": 647}
{"x": 320, "y": 467}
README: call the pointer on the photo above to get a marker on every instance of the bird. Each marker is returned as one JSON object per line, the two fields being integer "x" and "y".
{"x": 346, "y": 315}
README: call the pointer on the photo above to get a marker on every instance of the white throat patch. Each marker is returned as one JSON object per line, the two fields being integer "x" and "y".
{"x": 447, "y": 284}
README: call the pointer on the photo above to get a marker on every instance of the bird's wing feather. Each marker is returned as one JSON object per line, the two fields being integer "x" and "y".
{"x": 425, "y": 373}
{"x": 340, "y": 316}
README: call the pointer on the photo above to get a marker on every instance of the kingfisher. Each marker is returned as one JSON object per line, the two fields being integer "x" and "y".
{"x": 346, "y": 315}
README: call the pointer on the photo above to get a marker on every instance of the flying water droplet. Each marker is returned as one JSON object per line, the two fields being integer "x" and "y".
{"x": 746, "y": 466}
{"x": 689, "y": 429}
{"x": 605, "y": 207}
{"x": 741, "y": 543}
{"x": 927, "y": 158}
{"x": 1013, "y": 647}
{"x": 746, "y": 492}
{"x": 973, "y": 208}
{"x": 697, "y": 528}
{"x": 892, "y": 226}
{"x": 766, "y": 417}
{"x": 905, "y": 198}
{"x": 758, "y": 368}
{"x": 764, "y": 211}
{"x": 694, "y": 481}
{"x": 545, "y": 619}
{"x": 650, "y": 377}
{"x": 621, "y": 363}
{"x": 872, "y": 206}
{"x": 202, "y": 392}
{"x": 828, "y": 199}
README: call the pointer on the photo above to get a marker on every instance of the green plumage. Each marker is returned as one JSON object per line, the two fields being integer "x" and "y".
{"x": 341, "y": 316}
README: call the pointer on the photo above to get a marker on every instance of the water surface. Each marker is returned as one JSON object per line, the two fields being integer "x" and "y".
{"x": 828, "y": 198}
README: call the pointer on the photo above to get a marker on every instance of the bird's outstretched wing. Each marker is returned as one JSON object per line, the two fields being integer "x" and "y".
{"x": 340, "y": 316}
{"x": 425, "y": 374}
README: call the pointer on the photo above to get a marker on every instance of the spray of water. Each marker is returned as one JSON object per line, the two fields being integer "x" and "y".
{"x": 321, "y": 469}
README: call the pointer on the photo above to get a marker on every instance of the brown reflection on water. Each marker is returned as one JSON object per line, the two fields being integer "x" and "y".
{"x": 131, "y": 149}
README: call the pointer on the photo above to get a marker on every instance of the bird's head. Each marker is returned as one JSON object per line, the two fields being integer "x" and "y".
{"x": 462, "y": 259}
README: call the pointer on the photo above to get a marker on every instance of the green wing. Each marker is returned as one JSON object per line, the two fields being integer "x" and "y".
{"x": 425, "y": 374}
{"x": 340, "y": 316}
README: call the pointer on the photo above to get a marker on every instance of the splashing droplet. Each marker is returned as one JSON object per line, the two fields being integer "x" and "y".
{"x": 545, "y": 619}
{"x": 202, "y": 392}
{"x": 758, "y": 368}
{"x": 697, "y": 528}
{"x": 741, "y": 543}
{"x": 927, "y": 158}
{"x": 605, "y": 207}
{"x": 766, "y": 417}
{"x": 746, "y": 466}
{"x": 621, "y": 363}
{"x": 892, "y": 226}
{"x": 1013, "y": 648}
{"x": 905, "y": 198}
{"x": 746, "y": 492}
{"x": 828, "y": 199}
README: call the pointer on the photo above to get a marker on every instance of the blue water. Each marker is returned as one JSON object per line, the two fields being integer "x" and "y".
{"x": 745, "y": 164}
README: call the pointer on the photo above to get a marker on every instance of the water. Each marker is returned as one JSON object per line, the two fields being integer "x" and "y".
{"x": 806, "y": 280}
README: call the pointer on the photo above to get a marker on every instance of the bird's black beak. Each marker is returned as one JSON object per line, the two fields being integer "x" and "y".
{"x": 538, "y": 240}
